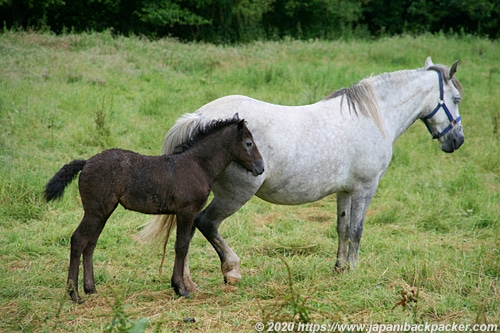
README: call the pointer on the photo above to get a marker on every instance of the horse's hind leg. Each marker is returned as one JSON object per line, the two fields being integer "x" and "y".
{"x": 208, "y": 223}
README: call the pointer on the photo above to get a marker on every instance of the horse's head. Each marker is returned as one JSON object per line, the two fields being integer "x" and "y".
{"x": 444, "y": 121}
{"x": 245, "y": 150}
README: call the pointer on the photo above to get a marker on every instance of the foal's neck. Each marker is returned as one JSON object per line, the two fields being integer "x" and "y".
{"x": 213, "y": 153}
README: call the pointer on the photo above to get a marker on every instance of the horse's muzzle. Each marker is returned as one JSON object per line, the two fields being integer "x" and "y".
{"x": 258, "y": 168}
{"x": 453, "y": 140}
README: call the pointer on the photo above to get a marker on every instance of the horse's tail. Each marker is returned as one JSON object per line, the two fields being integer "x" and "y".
{"x": 159, "y": 227}
{"x": 182, "y": 131}
{"x": 55, "y": 187}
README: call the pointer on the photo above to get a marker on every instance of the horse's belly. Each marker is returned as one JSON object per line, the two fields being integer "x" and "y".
{"x": 289, "y": 190}
{"x": 285, "y": 197}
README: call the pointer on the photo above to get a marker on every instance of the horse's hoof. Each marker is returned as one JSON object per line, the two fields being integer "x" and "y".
{"x": 230, "y": 280}
{"x": 231, "y": 276}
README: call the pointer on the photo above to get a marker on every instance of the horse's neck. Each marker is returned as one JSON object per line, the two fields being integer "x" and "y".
{"x": 403, "y": 97}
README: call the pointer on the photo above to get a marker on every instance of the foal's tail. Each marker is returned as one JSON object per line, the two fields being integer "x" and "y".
{"x": 159, "y": 228}
{"x": 55, "y": 187}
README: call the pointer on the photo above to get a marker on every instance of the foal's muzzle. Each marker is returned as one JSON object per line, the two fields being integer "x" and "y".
{"x": 257, "y": 167}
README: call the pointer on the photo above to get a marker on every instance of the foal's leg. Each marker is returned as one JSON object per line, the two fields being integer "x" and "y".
{"x": 188, "y": 282}
{"x": 83, "y": 241}
{"x": 78, "y": 243}
{"x": 88, "y": 253}
{"x": 185, "y": 231}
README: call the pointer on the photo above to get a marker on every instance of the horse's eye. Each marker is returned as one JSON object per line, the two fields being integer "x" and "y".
{"x": 249, "y": 144}
{"x": 456, "y": 100}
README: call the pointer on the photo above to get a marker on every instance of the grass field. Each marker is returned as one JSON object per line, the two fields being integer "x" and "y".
{"x": 431, "y": 246}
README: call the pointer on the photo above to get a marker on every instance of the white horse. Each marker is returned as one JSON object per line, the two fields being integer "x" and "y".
{"x": 341, "y": 144}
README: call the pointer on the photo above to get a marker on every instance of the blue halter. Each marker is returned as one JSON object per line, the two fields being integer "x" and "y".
{"x": 441, "y": 104}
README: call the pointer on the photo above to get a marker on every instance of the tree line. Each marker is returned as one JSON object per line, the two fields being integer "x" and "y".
{"x": 233, "y": 21}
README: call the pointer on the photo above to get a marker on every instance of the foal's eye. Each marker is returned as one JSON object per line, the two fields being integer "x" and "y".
{"x": 249, "y": 144}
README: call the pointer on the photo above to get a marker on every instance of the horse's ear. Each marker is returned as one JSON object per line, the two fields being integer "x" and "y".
{"x": 453, "y": 69}
{"x": 428, "y": 63}
{"x": 236, "y": 117}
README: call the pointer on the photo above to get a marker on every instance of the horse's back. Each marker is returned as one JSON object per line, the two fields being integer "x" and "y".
{"x": 309, "y": 151}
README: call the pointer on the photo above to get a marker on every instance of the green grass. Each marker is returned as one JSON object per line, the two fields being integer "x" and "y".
{"x": 432, "y": 230}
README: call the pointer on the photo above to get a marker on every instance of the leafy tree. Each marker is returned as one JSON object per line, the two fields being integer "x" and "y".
{"x": 228, "y": 21}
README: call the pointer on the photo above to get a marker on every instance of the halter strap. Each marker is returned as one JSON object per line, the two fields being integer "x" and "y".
{"x": 441, "y": 104}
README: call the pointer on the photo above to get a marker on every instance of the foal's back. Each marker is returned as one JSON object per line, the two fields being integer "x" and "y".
{"x": 145, "y": 184}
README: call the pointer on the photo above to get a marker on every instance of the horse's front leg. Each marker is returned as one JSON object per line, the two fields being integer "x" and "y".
{"x": 343, "y": 224}
{"x": 185, "y": 230}
{"x": 359, "y": 205}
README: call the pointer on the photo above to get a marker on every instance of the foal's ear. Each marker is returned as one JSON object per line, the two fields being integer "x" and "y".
{"x": 236, "y": 116}
{"x": 428, "y": 63}
{"x": 241, "y": 124}
{"x": 453, "y": 69}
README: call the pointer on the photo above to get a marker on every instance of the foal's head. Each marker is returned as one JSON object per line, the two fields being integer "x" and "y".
{"x": 245, "y": 151}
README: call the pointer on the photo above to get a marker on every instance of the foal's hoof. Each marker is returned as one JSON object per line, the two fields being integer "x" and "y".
{"x": 191, "y": 286}
{"x": 181, "y": 292}
{"x": 339, "y": 270}
{"x": 75, "y": 298}
{"x": 73, "y": 293}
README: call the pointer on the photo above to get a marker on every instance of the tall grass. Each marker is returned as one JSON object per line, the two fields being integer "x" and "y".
{"x": 430, "y": 251}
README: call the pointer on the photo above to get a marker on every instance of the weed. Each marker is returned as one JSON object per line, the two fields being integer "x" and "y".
{"x": 291, "y": 308}
{"x": 120, "y": 322}
{"x": 103, "y": 137}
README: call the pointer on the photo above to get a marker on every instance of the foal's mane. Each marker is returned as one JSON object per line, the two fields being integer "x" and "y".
{"x": 203, "y": 131}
